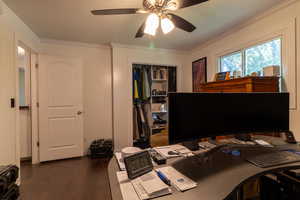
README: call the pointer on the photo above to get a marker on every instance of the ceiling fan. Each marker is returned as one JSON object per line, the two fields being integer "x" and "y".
{"x": 159, "y": 14}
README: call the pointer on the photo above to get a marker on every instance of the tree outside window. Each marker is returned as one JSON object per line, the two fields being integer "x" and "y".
{"x": 263, "y": 55}
{"x": 232, "y": 62}
{"x": 256, "y": 58}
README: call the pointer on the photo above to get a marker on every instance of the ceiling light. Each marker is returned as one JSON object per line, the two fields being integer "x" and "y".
{"x": 167, "y": 25}
{"x": 21, "y": 51}
{"x": 152, "y": 24}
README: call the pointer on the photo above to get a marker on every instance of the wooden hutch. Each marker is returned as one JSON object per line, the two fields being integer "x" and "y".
{"x": 246, "y": 84}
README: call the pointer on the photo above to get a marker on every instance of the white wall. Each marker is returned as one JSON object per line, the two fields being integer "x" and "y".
{"x": 123, "y": 58}
{"x": 12, "y": 29}
{"x": 281, "y": 21}
{"x": 97, "y": 97}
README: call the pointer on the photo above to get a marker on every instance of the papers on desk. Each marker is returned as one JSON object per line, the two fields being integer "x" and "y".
{"x": 120, "y": 160}
{"x": 178, "y": 180}
{"x": 263, "y": 143}
{"x": 178, "y": 149}
{"x": 148, "y": 186}
{"x": 127, "y": 190}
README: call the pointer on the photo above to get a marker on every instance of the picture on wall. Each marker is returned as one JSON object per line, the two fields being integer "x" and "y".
{"x": 199, "y": 73}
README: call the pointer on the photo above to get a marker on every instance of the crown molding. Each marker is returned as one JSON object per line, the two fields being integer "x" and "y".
{"x": 246, "y": 23}
{"x": 74, "y": 44}
{"x": 143, "y": 48}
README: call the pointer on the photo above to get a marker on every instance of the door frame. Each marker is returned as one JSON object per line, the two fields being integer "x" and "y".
{"x": 33, "y": 103}
{"x": 34, "y": 66}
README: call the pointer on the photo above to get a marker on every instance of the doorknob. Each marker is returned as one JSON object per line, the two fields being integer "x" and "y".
{"x": 79, "y": 112}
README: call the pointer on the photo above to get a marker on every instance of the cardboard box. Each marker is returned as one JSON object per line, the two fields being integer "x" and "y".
{"x": 271, "y": 70}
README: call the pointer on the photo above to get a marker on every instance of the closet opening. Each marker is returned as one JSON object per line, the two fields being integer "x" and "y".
{"x": 151, "y": 85}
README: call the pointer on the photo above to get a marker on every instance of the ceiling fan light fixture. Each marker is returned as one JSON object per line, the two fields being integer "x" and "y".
{"x": 167, "y": 25}
{"x": 152, "y": 2}
{"x": 172, "y": 5}
{"x": 152, "y": 24}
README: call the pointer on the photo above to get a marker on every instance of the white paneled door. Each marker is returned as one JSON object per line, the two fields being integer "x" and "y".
{"x": 60, "y": 108}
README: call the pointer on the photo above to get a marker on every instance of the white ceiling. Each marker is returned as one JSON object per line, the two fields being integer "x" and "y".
{"x": 71, "y": 20}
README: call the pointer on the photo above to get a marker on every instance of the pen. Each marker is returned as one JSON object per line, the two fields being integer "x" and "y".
{"x": 163, "y": 177}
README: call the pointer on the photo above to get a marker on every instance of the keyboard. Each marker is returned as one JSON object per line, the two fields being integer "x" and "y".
{"x": 274, "y": 158}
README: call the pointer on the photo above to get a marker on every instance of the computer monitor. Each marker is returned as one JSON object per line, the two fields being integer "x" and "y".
{"x": 200, "y": 115}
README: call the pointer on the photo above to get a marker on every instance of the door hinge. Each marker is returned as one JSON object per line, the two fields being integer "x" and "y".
{"x": 37, "y": 104}
{"x": 38, "y": 144}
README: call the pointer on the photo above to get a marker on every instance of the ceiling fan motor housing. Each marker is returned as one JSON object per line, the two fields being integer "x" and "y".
{"x": 148, "y": 5}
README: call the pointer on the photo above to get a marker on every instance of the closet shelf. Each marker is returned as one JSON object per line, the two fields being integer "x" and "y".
{"x": 159, "y": 112}
{"x": 159, "y": 95}
{"x": 159, "y": 128}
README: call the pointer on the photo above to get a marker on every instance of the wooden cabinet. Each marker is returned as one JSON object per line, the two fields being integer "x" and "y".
{"x": 246, "y": 84}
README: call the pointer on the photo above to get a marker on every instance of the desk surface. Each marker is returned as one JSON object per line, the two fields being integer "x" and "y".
{"x": 217, "y": 179}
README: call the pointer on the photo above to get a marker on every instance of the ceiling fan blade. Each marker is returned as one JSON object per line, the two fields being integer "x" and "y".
{"x": 181, "y": 23}
{"x": 188, "y": 3}
{"x": 121, "y": 11}
{"x": 140, "y": 32}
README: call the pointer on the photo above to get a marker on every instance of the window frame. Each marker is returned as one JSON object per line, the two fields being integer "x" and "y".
{"x": 243, "y": 52}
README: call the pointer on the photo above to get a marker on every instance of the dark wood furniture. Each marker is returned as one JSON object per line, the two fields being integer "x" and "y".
{"x": 246, "y": 84}
{"x": 217, "y": 179}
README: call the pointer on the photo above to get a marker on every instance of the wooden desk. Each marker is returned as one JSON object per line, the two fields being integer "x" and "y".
{"x": 217, "y": 179}
{"x": 246, "y": 84}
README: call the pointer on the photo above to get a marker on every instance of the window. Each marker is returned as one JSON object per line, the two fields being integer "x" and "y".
{"x": 263, "y": 55}
{"x": 253, "y": 59}
{"x": 232, "y": 62}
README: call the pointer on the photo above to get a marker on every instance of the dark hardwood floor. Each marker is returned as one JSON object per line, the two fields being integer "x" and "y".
{"x": 74, "y": 179}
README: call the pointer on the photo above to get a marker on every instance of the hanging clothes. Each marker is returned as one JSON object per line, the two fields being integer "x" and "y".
{"x": 136, "y": 78}
{"x": 146, "y": 85}
{"x": 144, "y": 128}
{"x": 141, "y": 83}
{"x": 136, "y": 131}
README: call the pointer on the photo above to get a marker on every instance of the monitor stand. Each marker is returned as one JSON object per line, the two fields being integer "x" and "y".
{"x": 192, "y": 145}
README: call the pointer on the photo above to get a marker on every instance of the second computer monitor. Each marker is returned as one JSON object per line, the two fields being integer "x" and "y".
{"x": 201, "y": 115}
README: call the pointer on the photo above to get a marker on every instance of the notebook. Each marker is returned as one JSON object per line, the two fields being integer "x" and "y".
{"x": 150, "y": 186}
{"x": 178, "y": 180}
{"x": 145, "y": 187}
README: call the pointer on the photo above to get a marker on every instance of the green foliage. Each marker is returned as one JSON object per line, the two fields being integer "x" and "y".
{"x": 256, "y": 58}
{"x": 263, "y": 55}
{"x": 232, "y": 62}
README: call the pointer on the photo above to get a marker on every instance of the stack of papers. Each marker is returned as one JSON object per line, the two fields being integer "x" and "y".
{"x": 127, "y": 190}
{"x": 150, "y": 186}
{"x": 263, "y": 143}
{"x": 178, "y": 180}
{"x": 178, "y": 150}
{"x": 145, "y": 187}
{"x": 120, "y": 160}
